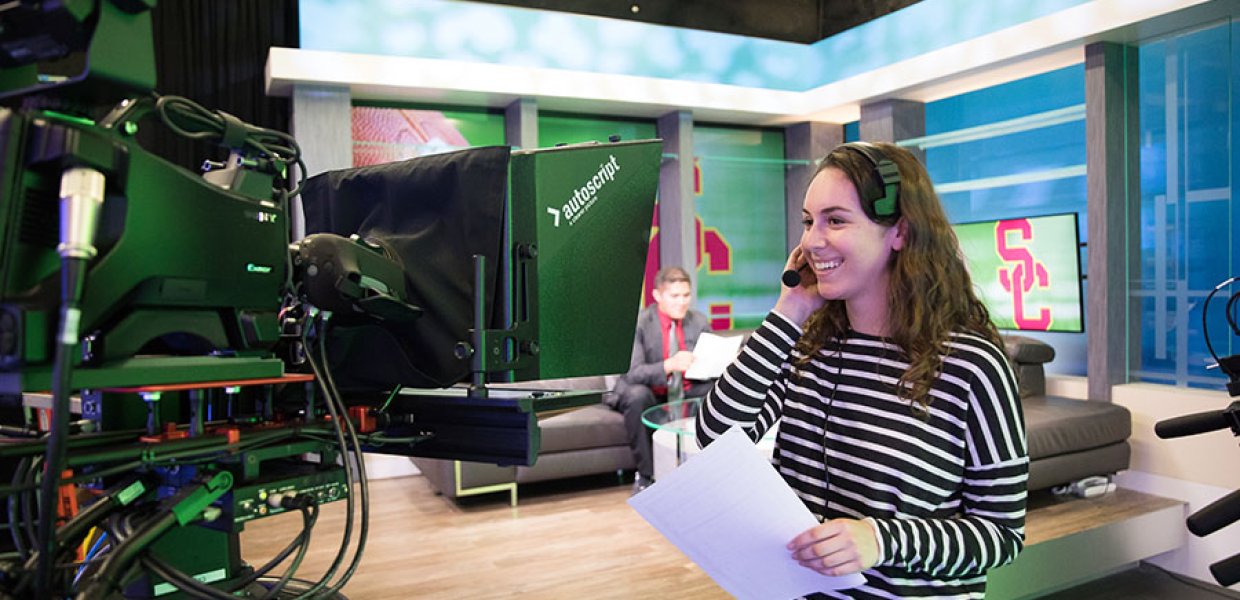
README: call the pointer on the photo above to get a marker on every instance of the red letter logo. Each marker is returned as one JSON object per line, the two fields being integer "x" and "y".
{"x": 1022, "y": 277}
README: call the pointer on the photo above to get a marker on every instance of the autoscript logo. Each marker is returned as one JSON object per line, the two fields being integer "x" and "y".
{"x": 585, "y": 196}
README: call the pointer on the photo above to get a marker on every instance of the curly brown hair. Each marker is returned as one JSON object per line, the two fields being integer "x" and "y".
{"x": 930, "y": 294}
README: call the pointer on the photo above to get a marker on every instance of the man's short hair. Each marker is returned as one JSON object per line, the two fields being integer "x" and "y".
{"x": 668, "y": 275}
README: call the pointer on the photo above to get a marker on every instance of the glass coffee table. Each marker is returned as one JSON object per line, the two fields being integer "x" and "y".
{"x": 675, "y": 434}
{"x": 673, "y": 440}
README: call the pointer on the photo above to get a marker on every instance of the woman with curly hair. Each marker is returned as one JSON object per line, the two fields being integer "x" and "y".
{"x": 898, "y": 413}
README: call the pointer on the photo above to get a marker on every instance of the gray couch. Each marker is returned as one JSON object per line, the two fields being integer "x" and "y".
{"x": 1068, "y": 439}
{"x": 585, "y": 441}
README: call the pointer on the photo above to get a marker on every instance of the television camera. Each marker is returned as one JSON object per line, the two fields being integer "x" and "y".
{"x": 223, "y": 372}
{"x": 1225, "y": 510}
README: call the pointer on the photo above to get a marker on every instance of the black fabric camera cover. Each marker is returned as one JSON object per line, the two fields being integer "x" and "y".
{"x": 435, "y": 212}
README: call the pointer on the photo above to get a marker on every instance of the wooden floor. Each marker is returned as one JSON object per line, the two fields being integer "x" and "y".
{"x": 572, "y": 540}
{"x": 578, "y": 542}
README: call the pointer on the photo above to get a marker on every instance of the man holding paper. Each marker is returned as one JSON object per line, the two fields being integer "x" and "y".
{"x": 667, "y": 332}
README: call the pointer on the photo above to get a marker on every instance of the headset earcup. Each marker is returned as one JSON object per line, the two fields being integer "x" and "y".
{"x": 889, "y": 173}
{"x": 886, "y": 206}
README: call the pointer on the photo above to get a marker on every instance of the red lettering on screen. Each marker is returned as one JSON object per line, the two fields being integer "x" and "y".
{"x": 721, "y": 316}
{"x": 1020, "y": 279}
{"x": 697, "y": 177}
{"x": 714, "y": 249}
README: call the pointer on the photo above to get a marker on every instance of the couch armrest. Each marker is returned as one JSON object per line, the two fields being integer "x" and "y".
{"x": 1027, "y": 356}
{"x": 1022, "y": 349}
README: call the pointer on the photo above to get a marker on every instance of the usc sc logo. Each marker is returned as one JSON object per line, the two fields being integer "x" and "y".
{"x": 1026, "y": 274}
{"x": 713, "y": 252}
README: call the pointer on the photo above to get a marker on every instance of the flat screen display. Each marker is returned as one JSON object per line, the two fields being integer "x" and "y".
{"x": 1027, "y": 271}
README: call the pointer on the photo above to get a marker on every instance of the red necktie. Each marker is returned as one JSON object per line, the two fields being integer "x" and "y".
{"x": 675, "y": 381}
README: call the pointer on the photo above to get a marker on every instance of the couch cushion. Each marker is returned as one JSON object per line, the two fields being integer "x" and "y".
{"x": 591, "y": 426}
{"x": 1057, "y": 425}
{"x": 1065, "y": 468}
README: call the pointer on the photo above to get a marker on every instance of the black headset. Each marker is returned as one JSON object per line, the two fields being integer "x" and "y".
{"x": 884, "y": 204}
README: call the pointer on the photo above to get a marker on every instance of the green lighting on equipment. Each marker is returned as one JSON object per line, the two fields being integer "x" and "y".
{"x": 59, "y": 116}
{"x": 253, "y": 268}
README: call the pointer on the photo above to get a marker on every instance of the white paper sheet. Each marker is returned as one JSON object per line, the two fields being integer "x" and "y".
{"x": 712, "y": 354}
{"x": 732, "y": 514}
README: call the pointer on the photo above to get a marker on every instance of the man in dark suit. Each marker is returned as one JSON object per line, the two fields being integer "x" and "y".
{"x": 662, "y": 351}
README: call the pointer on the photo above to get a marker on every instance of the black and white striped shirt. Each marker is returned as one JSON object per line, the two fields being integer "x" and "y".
{"x": 945, "y": 492}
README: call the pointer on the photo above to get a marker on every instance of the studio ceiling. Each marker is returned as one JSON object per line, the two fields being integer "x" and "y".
{"x": 804, "y": 21}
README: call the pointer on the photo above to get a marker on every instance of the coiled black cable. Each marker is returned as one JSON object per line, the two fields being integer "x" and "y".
{"x": 191, "y": 120}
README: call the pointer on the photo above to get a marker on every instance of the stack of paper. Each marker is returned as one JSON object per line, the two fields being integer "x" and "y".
{"x": 732, "y": 514}
{"x": 712, "y": 354}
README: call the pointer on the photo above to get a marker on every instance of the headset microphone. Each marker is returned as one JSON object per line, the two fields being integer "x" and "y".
{"x": 791, "y": 278}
